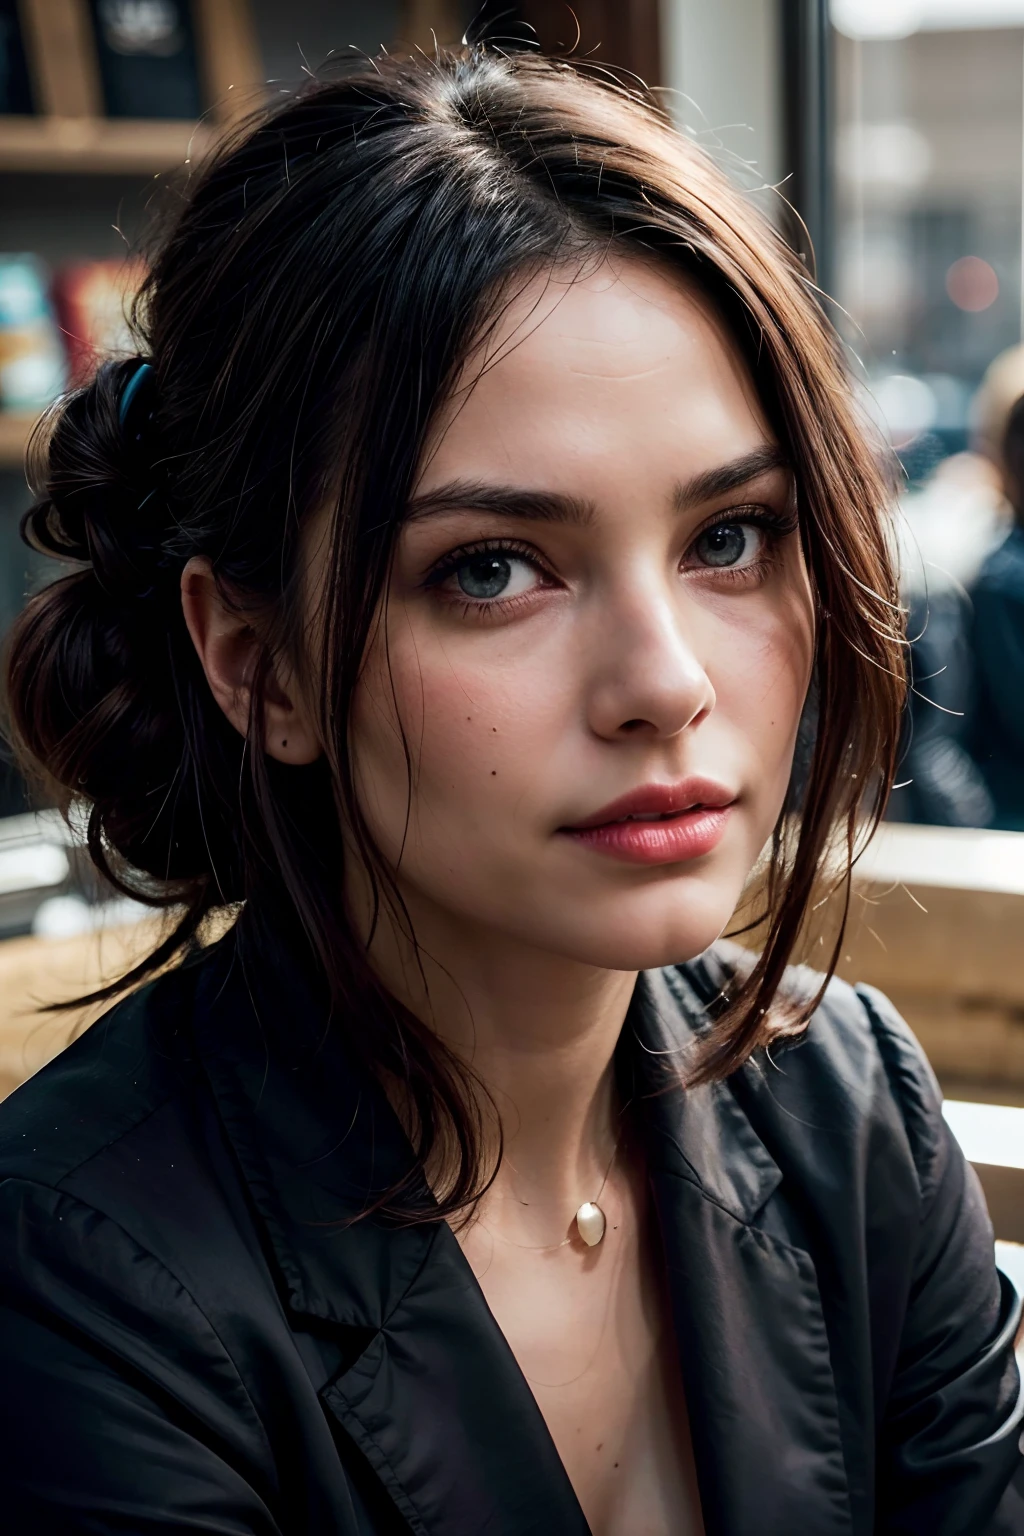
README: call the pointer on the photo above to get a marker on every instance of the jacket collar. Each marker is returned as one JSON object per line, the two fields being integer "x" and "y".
{"x": 753, "y": 1350}
{"x": 427, "y": 1386}
{"x": 701, "y": 1135}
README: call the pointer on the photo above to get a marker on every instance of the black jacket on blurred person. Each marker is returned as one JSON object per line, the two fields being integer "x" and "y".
{"x": 997, "y": 708}
{"x": 942, "y": 784}
{"x": 196, "y": 1336}
{"x": 997, "y": 719}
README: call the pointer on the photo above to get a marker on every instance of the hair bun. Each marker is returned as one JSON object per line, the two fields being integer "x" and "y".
{"x": 93, "y": 473}
{"x": 99, "y": 665}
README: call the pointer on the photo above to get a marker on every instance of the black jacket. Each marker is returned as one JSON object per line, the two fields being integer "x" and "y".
{"x": 194, "y": 1337}
{"x": 996, "y": 714}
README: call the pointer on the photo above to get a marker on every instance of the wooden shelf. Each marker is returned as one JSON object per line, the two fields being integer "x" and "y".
{"x": 97, "y": 144}
{"x": 15, "y": 428}
{"x": 71, "y": 132}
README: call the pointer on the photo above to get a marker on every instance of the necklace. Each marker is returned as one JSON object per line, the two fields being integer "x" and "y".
{"x": 590, "y": 1220}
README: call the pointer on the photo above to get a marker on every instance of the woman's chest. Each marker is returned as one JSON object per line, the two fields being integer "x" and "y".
{"x": 593, "y": 1338}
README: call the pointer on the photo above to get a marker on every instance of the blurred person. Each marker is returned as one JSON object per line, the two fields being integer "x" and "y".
{"x": 999, "y": 391}
{"x": 941, "y": 784}
{"x": 944, "y": 531}
{"x": 997, "y": 644}
{"x": 947, "y": 530}
{"x": 484, "y": 519}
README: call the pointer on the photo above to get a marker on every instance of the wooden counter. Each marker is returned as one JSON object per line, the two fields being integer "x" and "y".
{"x": 937, "y": 922}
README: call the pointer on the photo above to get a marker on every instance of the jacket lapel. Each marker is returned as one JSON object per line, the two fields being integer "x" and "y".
{"x": 441, "y": 1410}
{"x": 753, "y": 1349}
{"x": 416, "y": 1370}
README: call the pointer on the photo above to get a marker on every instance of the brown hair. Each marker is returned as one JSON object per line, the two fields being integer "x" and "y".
{"x": 328, "y": 272}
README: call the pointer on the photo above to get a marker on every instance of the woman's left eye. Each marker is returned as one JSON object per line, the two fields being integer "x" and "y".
{"x": 730, "y": 546}
{"x": 491, "y": 574}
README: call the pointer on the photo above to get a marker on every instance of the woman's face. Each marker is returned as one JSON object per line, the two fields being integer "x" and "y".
{"x": 597, "y": 638}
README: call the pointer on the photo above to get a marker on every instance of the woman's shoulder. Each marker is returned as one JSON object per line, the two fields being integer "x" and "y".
{"x": 110, "y": 1079}
{"x": 117, "y": 1228}
{"x": 114, "y": 1181}
{"x": 856, "y": 1067}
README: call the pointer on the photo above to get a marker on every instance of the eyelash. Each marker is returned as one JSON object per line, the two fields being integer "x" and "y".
{"x": 774, "y": 524}
{"x": 450, "y": 563}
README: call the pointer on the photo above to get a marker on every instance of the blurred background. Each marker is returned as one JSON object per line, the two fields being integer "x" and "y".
{"x": 886, "y": 139}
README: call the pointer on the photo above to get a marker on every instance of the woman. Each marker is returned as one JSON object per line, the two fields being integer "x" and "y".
{"x": 486, "y": 525}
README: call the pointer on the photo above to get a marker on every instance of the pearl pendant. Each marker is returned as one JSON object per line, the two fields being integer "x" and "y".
{"x": 590, "y": 1223}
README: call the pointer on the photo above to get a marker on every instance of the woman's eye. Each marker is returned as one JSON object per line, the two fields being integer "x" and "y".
{"x": 729, "y": 545}
{"x": 489, "y": 575}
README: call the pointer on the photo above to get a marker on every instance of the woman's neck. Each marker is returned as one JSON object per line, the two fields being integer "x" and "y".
{"x": 539, "y": 1031}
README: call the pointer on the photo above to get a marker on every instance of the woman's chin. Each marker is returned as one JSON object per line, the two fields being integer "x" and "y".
{"x": 641, "y": 940}
{"x": 584, "y": 922}
{"x": 640, "y": 954}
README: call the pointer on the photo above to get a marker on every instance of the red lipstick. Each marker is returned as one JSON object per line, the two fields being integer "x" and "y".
{"x": 658, "y": 823}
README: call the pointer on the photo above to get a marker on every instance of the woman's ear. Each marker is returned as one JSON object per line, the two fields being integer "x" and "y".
{"x": 229, "y": 649}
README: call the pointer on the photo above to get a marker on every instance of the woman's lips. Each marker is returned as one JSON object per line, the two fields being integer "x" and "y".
{"x": 659, "y": 823}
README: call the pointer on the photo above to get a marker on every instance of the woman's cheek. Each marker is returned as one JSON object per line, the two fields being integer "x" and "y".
{"x": 486, "y": 732}
{"x": 477, "y": 728}
{"x": 761, "y": 678}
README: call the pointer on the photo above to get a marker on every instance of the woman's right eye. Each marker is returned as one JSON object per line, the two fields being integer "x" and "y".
{"x": 491, "y": 574}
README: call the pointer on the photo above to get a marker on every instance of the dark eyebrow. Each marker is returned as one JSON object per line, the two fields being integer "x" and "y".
{"x": 728, "y": 477}
{"x": 505, "y": 500}
{"x": 551, "y": 507}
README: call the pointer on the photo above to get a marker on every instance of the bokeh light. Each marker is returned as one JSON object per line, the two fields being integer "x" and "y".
{"x": 972, "y": 284}
{"x": 905, "y": 406}
{"x": 869, "y": 19}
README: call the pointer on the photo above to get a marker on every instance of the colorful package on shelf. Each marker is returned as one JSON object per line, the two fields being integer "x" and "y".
{"x": 93, "y": 299}
{"x": 32, "y": 365}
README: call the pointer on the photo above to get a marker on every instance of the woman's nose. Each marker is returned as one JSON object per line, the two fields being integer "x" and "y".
{"x": 647, "y": 677}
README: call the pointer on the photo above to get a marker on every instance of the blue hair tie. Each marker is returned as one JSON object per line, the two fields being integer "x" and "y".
{"x": 131, "y": 389}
